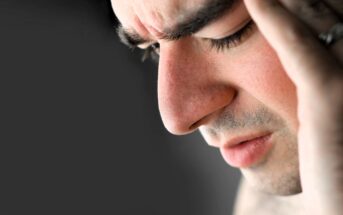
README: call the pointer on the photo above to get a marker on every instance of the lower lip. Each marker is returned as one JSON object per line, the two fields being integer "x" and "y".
{"x": 248, "y": 153}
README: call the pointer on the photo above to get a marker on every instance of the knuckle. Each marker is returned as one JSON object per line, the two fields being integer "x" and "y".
{"x": 316, "y": 10}
{"x": 297, "y": 34}
{"x": 315, "y": 6}
{"x": 308, "y": 8}
{"x": 336, "y": 5}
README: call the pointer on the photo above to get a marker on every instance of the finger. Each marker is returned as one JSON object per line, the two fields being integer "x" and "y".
{"x": 315, "y": 13}
{"x": 306, "y": 61}
{"x": 319, "y": 16}
{"x": 336, "y": 5}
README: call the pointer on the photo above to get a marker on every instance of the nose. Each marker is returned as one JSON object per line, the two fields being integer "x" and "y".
{"x": 189, "y": 92}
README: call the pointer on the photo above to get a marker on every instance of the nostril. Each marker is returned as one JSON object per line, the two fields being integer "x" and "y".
{"x": 212, "y": 115}
{"x": 194, "y": 126}
{"x": 200, "y": 122}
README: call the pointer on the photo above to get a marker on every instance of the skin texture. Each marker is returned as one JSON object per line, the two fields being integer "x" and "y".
{"x": 281, "y": 81}
{"x": 239, "y": 82}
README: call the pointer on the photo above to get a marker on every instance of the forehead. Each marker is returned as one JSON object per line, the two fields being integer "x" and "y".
{"x": 159, "y": 14}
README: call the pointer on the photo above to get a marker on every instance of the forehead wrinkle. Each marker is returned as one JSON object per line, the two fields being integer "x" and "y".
{"x": 149, "y": 19}
{"x": 189, "y": 21}
{"x": 158, "y": 20}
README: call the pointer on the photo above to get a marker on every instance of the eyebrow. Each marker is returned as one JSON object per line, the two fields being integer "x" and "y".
{"x": 197, "y": 20}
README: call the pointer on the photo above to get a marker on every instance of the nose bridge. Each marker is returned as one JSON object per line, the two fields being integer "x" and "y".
{"x": 187, "y": 89}
{"x": 182, "y": 70}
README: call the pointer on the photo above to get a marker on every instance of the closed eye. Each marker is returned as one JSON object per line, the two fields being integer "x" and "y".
{"x": 222, "y": 44}
{"x": 231, "y": 40}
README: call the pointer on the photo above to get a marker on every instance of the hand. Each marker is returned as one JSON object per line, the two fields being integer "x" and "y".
{"x": 292, "y": 28}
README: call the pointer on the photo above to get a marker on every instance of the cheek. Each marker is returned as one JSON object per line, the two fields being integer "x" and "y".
{"x": 264, "y": 75}
{"x": 257, "y": 70}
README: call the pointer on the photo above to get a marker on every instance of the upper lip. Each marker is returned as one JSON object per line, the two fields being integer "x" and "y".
{"x": 243, "y": 138}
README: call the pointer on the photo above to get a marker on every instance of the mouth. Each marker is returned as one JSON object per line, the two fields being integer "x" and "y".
{"x": 246, "y": 151}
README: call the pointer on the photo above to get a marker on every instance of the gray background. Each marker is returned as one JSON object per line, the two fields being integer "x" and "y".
{"x": 80, "y": 128}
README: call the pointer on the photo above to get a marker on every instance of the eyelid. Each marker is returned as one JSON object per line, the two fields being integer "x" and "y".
{"x": 227, "y": 41}
{"x": 233, "y": 40}
{"x": 224, "y": 35}
{"x": 231, "y": 31}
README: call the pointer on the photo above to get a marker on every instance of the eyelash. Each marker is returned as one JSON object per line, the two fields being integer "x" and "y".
{"x": 233, "y": 40}
{"x": 228, "y": 42}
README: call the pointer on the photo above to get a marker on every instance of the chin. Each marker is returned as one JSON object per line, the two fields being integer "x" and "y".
{"x": 286, "y": 185}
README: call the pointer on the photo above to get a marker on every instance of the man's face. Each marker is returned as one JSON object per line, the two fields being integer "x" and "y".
{"x": 219, "y": 75}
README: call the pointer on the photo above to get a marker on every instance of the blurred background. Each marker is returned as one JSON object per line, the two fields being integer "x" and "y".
{"x": 80, "y": 128}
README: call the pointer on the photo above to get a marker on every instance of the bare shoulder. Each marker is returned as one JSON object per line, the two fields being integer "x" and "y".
{"x": 253, "y": 202}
